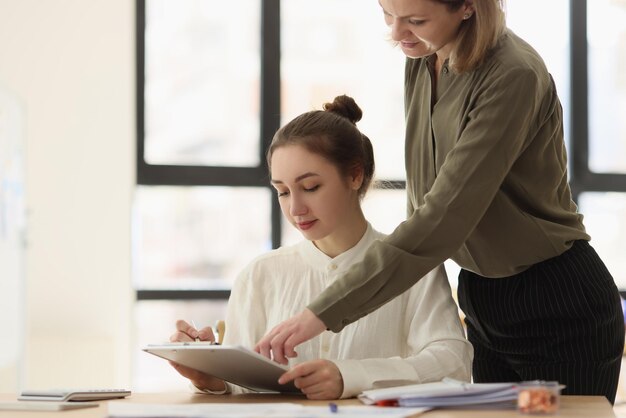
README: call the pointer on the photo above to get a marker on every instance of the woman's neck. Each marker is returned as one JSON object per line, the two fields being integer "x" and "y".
{"x": 346, "y": 237}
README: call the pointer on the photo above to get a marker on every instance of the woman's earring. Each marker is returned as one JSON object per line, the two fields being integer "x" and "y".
{"x": 467, "y": 16}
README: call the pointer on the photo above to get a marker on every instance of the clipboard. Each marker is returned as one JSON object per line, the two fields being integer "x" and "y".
{"x": 234, "y": 364}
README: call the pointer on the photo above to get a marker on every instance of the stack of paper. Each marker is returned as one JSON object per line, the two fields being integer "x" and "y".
{"x": 448, "y": 392}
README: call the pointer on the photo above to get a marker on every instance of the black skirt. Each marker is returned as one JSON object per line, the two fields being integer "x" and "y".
{"x": 559, "y": 320}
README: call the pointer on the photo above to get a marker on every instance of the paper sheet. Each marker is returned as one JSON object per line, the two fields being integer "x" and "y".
{"x": 256, "y": 410}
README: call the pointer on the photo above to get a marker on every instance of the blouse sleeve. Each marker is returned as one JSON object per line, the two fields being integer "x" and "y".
{"x": 435, "y": 347}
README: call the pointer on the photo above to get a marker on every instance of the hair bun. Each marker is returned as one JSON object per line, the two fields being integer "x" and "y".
{"x": 345, "y": 106}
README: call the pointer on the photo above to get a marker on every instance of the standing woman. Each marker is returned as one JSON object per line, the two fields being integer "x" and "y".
{"x": 487, "y": 186}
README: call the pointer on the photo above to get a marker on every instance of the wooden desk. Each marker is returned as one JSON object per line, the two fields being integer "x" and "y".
{"x": 571, "y": 406}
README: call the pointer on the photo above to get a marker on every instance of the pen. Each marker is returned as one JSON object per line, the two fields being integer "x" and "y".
{"x": 196, "y": 327}
{"x": 333, "y": 407}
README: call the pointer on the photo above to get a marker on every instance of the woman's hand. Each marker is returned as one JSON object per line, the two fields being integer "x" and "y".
{"x": 200, "y": 380}
{"x": 282, "y": 340}
{"x": 186, "y": 332}
{"x": 317, "y": 379}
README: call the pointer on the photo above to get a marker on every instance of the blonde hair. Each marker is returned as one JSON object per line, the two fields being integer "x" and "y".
{"x": 478, "y": 34}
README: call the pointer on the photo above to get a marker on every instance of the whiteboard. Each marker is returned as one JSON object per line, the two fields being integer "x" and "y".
{"x": 12, "y": 236}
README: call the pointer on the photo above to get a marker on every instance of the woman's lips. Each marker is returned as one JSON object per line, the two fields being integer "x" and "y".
{"x": 306, "y": 225}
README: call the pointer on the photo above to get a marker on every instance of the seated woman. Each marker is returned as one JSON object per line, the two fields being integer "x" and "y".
{"x": 321, "y": 166}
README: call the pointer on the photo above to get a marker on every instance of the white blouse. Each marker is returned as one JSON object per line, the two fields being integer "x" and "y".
{"x": 415, "y": 338}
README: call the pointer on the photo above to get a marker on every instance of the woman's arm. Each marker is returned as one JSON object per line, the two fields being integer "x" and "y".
{"x": 435, "y": 347}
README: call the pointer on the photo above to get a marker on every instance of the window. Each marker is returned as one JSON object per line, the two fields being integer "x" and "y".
{"x": 211, "y": 94}
{"x": 606, "y": 38}
{"x": 202, "y": 83}
{"x": 213, "y": 89}
{"x": 601, "y": 167}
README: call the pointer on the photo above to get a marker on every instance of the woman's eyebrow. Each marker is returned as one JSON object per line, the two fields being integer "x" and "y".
{"x": 297, "y": 179}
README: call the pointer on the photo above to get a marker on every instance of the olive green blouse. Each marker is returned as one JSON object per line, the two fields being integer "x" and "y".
{"x": 487, "y": 182}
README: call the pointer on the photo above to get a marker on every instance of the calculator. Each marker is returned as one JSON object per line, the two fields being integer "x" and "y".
{"x": 68, "y": 395}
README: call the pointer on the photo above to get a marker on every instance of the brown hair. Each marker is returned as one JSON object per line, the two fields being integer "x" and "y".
{"x": 478, "y": 34}
{"x": 332, "y": 134}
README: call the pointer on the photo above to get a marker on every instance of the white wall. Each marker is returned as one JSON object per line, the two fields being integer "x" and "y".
{"x": 71, "y": 64}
